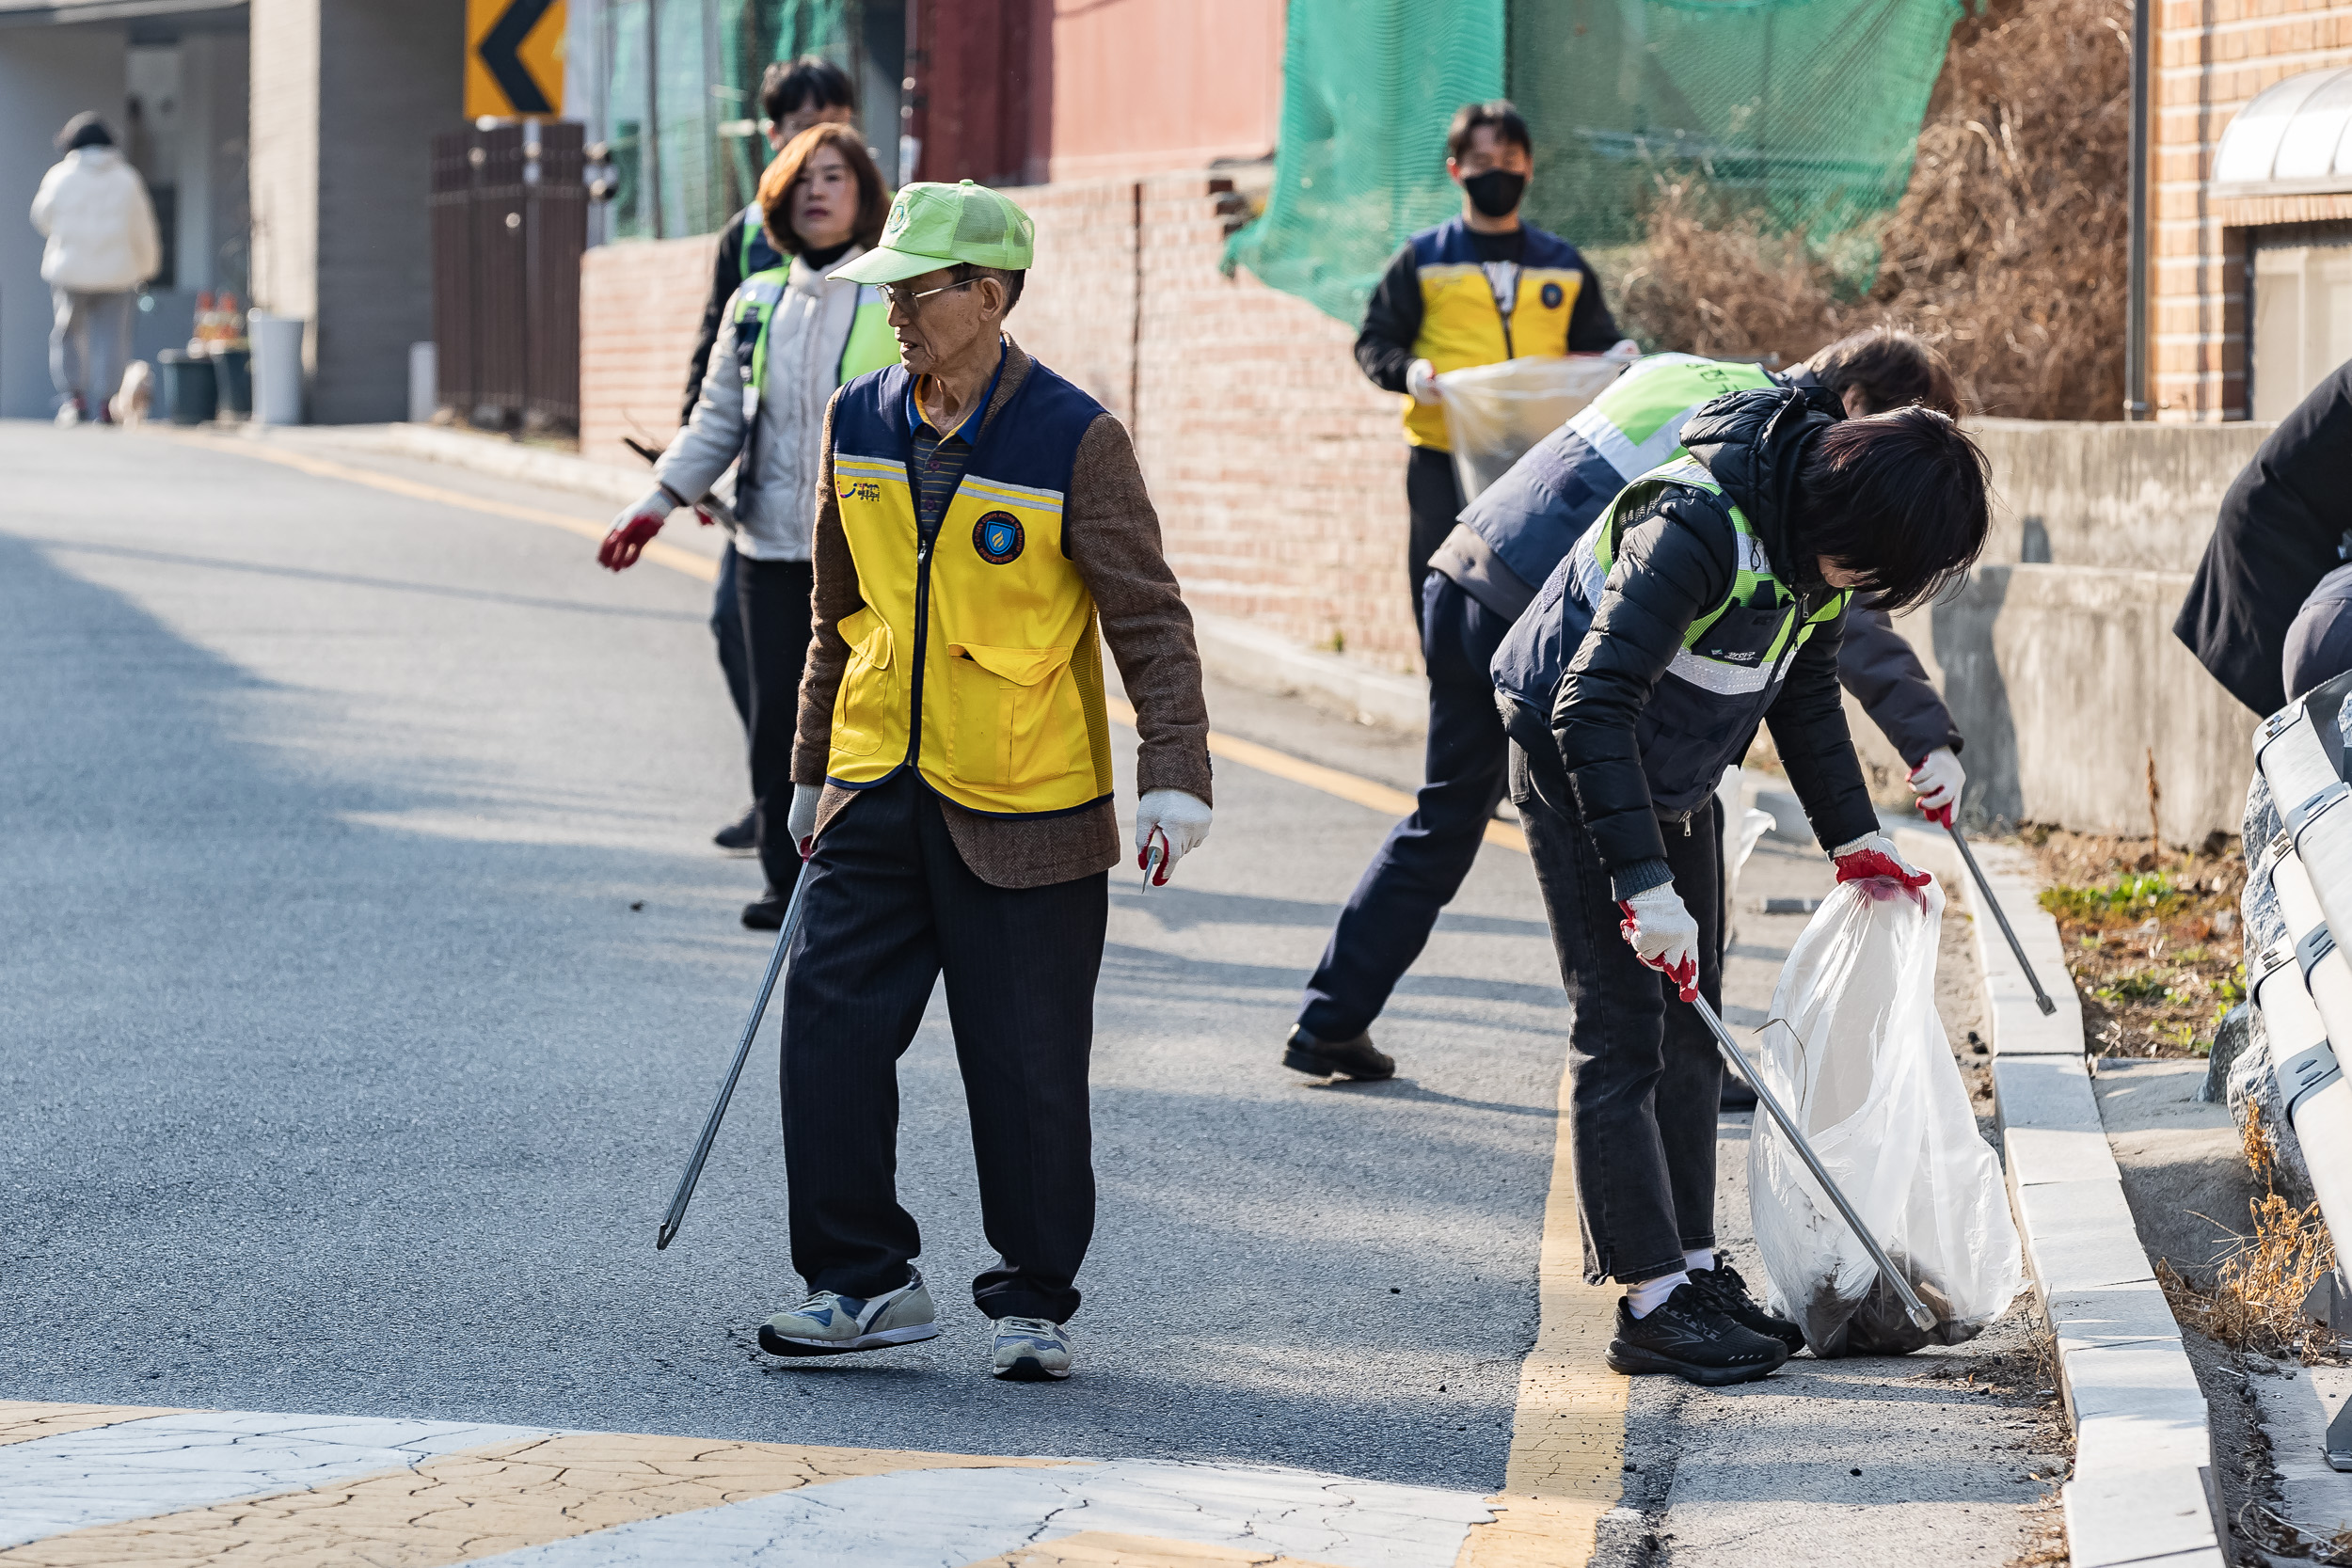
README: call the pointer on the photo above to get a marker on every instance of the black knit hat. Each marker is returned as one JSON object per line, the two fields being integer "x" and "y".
{"x": 85, "y": 129}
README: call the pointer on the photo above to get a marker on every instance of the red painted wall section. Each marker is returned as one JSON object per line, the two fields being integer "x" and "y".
{"x": 1144, "y": 86}
{"x": 986, "y": 71}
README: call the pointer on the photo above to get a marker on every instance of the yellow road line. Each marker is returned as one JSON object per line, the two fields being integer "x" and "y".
{"x": 693, "y": 565}
{"x": 1566, "y": 1466}
{"x": 481, "y": 1501}
{"x": 1567, "y": 1437}
{"x": 1347, "y": 787}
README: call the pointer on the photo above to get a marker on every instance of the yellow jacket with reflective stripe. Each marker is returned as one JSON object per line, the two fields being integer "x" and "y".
{"x": 975, "y": 660}
{"x": 1461, "y": 322}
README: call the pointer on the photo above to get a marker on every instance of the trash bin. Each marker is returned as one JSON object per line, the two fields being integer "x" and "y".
{"x": 232, "y": 370}
{"x": 190, "y": 395}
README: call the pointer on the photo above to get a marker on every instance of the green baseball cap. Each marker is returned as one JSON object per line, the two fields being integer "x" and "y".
{"x": 933, "y": 225}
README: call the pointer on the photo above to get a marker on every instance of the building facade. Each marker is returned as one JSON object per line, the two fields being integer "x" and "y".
{"x": 2250, "y": 210}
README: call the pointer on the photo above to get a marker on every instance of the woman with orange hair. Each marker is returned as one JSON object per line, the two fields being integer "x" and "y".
{"x": 792, "y": 336}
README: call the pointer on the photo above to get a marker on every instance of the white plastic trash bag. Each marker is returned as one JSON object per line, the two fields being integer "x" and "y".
{"x": 1494, "y": 413}
{"x": 1855, "y": 1051}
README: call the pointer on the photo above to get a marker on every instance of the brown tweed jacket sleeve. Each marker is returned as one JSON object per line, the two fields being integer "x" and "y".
{"x": 1113, "y": 536}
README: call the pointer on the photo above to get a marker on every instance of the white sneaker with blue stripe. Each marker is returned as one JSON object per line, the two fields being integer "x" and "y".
{"x": 1030, "y": 1350}
{"x": 829, "y": 1324}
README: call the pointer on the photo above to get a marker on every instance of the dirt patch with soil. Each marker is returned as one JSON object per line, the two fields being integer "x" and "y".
{"x": 2151, "y": 935}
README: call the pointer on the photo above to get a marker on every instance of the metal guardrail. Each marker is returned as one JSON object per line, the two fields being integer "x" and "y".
{"x": 2301, "y": 980}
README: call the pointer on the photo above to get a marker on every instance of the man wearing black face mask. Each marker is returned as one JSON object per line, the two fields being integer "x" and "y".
{"x": 1475, "y": 289}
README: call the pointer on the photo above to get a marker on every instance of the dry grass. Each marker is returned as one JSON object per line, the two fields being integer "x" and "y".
{"x": 2151, "y": 934}
{"x": 2256, "y": 1302}
{"x": 2007, "y": 251}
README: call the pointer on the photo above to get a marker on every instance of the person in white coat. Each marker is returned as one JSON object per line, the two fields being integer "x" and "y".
{"x": 93, "y": 209}
{"x": 791, "y": 337}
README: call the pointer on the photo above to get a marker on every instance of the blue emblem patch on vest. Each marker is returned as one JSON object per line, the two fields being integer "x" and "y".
{"x": 1552, "y": 296}
{"x": 998, "y": 537}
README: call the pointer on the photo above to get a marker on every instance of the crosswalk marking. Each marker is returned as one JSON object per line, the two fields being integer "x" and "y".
{"x": 235, "y": 1489}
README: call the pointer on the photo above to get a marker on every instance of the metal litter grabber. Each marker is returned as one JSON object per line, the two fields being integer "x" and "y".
{"x": 685, "y": 1195}
{"x": 1913, "y": 1308}
{"x": 1984, "y": 890}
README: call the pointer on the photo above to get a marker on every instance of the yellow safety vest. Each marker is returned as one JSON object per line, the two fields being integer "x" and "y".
{"x": 975, "y": 660}
{"x": 1461, "y": 324}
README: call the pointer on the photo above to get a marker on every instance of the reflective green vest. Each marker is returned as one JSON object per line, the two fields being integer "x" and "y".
{"x": 871, "y": 345}
{"x": 1742, "y": 646}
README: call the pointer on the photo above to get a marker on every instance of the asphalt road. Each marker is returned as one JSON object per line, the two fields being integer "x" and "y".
{"x": 365, "y": 969}
{"x": 343, "y": 1072}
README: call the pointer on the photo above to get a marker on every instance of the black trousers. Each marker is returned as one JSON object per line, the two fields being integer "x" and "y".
{"x": 773, "y": 597}
{"x": 1421, "y": 866}
{"x": 1645, "y": 1079}
{"x": 1433, "y": 497}
{"x": 727, "y": 629}
{"x": 890, "y": 907}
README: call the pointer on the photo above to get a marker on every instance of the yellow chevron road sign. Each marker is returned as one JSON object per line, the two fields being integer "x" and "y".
{"x": 513, "y": 58}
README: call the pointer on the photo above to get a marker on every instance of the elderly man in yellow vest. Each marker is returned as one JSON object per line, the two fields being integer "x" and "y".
{"x": 977, "y": 519}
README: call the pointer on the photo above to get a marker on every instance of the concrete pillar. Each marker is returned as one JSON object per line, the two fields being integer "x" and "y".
{"x": 347, "y": 95}
{"x": 47, "y": 75}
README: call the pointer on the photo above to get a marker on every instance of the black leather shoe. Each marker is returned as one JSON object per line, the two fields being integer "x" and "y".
{"x": 740, "y": 838}
{"x": 1688, "y": 1336}
{"x": 1736, "y": 1096}
{"x": 1727, "y": 1294}
{"x": 766, "y": 913}
{"x": 1357, "y": 1058}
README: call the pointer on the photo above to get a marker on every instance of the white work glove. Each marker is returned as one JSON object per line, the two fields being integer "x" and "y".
{"x": 801, "y": 819}
{"x": 632, "y": 531}
{"x": 1875, "y": 855}
{"x": 1938, "y": 782}
{"x": 1664, "y": 934}
{"x": 1421, "y": 380}
{"x": 1181, "y": 822}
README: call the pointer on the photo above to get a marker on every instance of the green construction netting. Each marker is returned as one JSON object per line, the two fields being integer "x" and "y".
{"x": 1800, "y": 113}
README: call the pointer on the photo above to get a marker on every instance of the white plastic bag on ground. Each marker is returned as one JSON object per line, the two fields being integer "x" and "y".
{"x": 1856, "y": 1053}
{"x": 1494, "y": 413}
{"x": 1744, "y": 827}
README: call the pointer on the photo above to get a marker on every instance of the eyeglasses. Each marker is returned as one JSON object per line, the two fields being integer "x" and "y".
{"x": 894, "y": 295}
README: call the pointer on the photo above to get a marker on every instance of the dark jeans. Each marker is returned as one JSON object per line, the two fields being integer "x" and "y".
{"x": 890, "y": 905}
{"x": 774, "y": 595}
{"x": 1433, "y": 497}
{"x": 1645, "y": 1076}
{"x": 1421, "y": 866}
{"x": 727, "y": 628}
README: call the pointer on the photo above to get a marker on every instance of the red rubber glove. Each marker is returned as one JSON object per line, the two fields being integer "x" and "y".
{"x": 632, "y": 531}
{"x": 1874, "y": 855}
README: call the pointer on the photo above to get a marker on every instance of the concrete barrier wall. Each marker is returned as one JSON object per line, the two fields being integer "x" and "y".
{"x": 2058, "y": 657}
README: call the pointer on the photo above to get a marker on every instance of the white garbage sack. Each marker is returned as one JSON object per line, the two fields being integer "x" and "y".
{"x": 1744, "y": 827}
{"x": 1855, "y": 1051}
{"x": 1494, "y": 413}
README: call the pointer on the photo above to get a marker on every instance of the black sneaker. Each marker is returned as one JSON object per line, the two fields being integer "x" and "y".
{"x": 1357, "y": 1058}
{"x": 740, "y": 838}
{"x": 1688, "y": 1336}
{"x": 766, "y": 913}
{"x": 1727, "y": 1294}
{"x": 1736, "y": 1096}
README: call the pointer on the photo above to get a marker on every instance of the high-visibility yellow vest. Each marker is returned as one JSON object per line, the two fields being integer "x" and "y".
{"x": 1461, "y": 324}
{"x": 975, "y": 660}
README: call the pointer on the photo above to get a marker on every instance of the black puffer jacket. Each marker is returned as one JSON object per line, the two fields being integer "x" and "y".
{"x": 1635, "y": 752}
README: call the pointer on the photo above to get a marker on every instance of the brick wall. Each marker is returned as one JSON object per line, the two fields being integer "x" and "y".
{"x": 641, "y": 304}
{"x": 1277, "y": 469}
{"x": 2211, "y": 57}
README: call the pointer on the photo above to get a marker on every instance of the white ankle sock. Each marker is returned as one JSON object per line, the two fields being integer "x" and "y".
{"x": 1694, "y": 1261}
{"x": 1646, "y": 1297}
